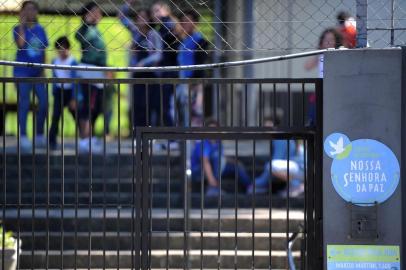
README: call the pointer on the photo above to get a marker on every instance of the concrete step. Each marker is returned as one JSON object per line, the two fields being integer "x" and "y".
{"x": 122, "y": 220}
{"x": 176, "y": 259}
{"x": 173, "y": 240}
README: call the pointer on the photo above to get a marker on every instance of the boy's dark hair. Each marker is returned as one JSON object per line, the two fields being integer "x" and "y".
{"x": 30, "y": 2}
{"x": 62, "y": 43}
{"x": 86, "y": 8}
{"x": 149, "y": 15}
{"x": 192, "y": 14}
{"x": 342, "y": 16}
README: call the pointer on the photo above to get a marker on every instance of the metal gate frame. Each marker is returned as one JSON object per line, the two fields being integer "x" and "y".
{"x": 312, "y": 252}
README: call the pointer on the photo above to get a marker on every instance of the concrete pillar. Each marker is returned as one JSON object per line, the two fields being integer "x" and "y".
{"x": 364, "y": 103}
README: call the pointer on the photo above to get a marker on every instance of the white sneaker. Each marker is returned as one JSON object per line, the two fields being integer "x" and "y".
{"x": 84, "y": 146}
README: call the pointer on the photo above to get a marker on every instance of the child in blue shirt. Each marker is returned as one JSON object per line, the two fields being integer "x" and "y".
{"x": 211, "y": 158}
{"x": 31, "y": 41}
{"x": 192, "y": 51}
{"x": 64, "y": 94}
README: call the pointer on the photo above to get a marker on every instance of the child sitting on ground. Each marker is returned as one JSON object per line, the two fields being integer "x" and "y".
{"x": 215, "y": 165}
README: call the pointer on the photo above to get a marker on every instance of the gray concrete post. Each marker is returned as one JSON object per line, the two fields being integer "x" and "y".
{"x": 363, "y": 98}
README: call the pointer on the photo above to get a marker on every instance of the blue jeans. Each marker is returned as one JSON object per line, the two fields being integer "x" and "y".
{"x": 227, "y": 170}
{"x": 24, "y": 91}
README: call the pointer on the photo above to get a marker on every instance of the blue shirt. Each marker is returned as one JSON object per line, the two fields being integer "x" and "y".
{"x": 280, "y": 149}
{"x": 64, "y": 73}
{"x": 191, "y": 52}
{"x": 211, "y": 150}
{"x": 33, "y": 50}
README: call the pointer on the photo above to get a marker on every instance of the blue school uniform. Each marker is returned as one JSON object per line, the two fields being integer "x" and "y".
{"x": 33, "y": 50}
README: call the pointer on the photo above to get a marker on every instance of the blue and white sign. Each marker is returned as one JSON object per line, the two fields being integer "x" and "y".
{"x": 363, "y": 171}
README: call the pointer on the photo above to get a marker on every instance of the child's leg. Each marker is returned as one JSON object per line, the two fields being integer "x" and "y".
{"x": 230, "y": 169}
{"x": 56, "y": 114}
{"x": 24, "y": 90}
{"x": 264, "y": 178}
{"x": 41, "y": 93}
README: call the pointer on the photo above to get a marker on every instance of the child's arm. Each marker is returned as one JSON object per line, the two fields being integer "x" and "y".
{"x": 208, "y": 171}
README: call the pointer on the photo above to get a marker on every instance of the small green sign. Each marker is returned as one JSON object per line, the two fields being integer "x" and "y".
{"x": 363, "y": 257}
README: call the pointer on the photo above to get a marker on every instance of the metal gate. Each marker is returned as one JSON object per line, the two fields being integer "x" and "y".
{"x": 237, "y": 228}
{"x": 136, "y": 203}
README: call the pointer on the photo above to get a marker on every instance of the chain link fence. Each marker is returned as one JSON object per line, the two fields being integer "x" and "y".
{"x": 232, "y": 28}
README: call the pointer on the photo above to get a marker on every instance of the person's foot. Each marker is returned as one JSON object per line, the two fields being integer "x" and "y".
{"x": 212, "y": 191}
{"x": 25, "y": 144}
{"x": 40, "y": 141}
{"x": 258, "y": 190}
{"x": 84, "y": 146}
{"x": 295, "y": 191}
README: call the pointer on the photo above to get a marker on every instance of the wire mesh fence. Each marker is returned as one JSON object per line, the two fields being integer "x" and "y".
{"x": 231, "y": 28}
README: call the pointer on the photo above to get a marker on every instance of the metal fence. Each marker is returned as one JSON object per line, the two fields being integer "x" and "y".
{"x": 106, "y": 206}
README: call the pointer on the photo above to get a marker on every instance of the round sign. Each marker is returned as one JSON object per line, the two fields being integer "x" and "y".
{"x": 363, "y": 171}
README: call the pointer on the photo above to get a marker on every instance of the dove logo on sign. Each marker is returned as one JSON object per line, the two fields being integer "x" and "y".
{"x": 337, "y": 145}
{"x": 363, "y": 171}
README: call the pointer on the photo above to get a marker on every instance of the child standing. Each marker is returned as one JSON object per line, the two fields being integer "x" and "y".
{"x": 31, "y": 41}
{"x": 64, "y": 94}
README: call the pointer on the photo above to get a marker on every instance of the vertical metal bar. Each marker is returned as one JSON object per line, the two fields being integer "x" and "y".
{"x": 392, "y": 25}
{"x": 204, "y": 106}
{"x": 76, "y": 177}
{"x": 362, "y": 19}
{"x": 34, "y": 180}
{"x": 185, "y": 205}
{"x": 47, "y": 188}
{"x": 136, "y": 198}
{"x": 145, "y": 195}
{"x": 218, "y": 104}
{"x": 62, "y": 172}
{"x": 118, "y": 174}
{"x": 270, "y": 203}
{"x": 287, "y": 202}
{"x": 4, "y": 176}
{"x": 90, "y": 182}
{"x": 253, "y": 204}
{"x": 274, "y": 102}
{"x": 289, "y": 107}
{"x": 318, "y": 156}
{"x": 147, "y": 114}
{"x": 246, "y": 105}
{"x": 161, "y": 106}
{"x": 104, "y": 173}
{"x": 310, "y": 202}
{"x": 261, "y": 107}
{"x": 201, "y": 204}
{"x": 19, "y": 176}
{"x": 236, "y": 207}
{"x": 306, "y": 194}
{"x": 175, "y": 106}
{"x": 135, "y": 241}
{"x": 219, "y": 204}
{"x": 303, "y": 105}
{"x": 189, "y": 92}
{"x": 168, "y": 201}
{"x": 150, "y": 204}
{"x": 232, "y": 104}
